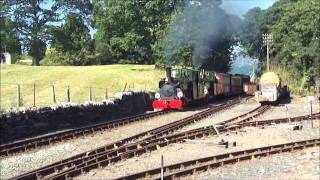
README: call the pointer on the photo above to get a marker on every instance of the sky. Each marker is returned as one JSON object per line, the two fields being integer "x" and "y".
{"x": 240, "y": 7}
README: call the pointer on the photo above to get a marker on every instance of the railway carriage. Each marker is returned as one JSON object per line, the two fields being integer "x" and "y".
{"x": 236, "y": 87}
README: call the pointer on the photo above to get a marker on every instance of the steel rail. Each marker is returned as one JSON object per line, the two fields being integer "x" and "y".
{"x": 199, "y": 165}
{"x": 258, "y": 123}
{"x": 99, "y": 160}
{"x": 191, "y": 119}
{"x": 257, "y": 111}
{"x": 133, "y": 150}
{"x": 33, "y": 143}
{"x": 38, "y": 173}
{"x": 138, "y": 148}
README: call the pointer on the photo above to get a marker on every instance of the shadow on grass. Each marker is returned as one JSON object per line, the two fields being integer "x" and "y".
{"x": 141, "y": 70}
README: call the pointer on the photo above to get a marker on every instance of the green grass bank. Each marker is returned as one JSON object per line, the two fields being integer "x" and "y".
{"x": 110, "y": 78}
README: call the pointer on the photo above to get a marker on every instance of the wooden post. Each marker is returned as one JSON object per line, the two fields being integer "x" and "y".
{"x": 311, "y": 114}
{"x": 125, "y": 86}
{"x": 162, "y": 163}
{"x": 53, "y": 94}
{"x": 34, "y": 95}
{"x": 106, "y": 95}
{"x": 90, "y": 93}
{"x": 68, "y": 94}
{"x": 144, "y": 99}
{"x": 18, "y": 96}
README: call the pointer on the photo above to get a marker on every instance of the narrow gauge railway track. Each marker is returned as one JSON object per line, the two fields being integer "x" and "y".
{"x": 239, "y": 119}
{"x": 114, "y": 154}
{"x": 41, "y": 141}
{"x": 65, "y": 170}
{"x": 34, "y": 143}
{"x": 247, "y": 116}
{"x": 169, "y": 127}
{"x": 200, "y": 165}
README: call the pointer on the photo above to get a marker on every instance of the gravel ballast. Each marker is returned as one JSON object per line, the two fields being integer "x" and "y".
{"x": 193, "y": 149}
{"x": 248, "y": 138}
{"x": 223, "y": 115}
{"x": 24, "y": 162}
{"x": 303, "y": 164}
{"x": 297, "y": 107}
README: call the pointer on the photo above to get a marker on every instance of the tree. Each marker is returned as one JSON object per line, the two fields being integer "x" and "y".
{"x": 32, "y": 18}
{"x": 296, "y": 38}
{"x": 72, "y": 36}
{"x": 8, "y": 33}
{"x": 130, "y": 30}
{"x": 70, "y": 44}
{"x": 295, "y": 26}
{"x": 254, "y": 25}
{"x": 121, "y": 29}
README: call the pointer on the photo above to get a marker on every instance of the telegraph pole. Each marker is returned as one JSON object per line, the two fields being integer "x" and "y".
{"x": 267, "y": 39}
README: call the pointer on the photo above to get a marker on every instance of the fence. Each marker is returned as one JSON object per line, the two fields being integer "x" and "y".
{"x": 39, "y": 95}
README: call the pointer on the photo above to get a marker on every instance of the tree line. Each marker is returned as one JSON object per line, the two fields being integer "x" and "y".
{"x": 184, "y": 32}
{"x": 127, "y": 31}
{"x": 295, "y": 27}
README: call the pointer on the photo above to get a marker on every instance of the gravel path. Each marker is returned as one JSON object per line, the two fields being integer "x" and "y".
{"x": 303, "y": 164}
{"x": 20, "y": 163}
{"x": 247, "y": 138}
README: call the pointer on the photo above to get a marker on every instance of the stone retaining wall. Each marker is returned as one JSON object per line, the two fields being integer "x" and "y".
{"x": 30, "y": 123}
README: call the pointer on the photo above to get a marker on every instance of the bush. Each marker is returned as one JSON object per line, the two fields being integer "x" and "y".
{"x": 82, "y": 58}
{"x": 15, "y": 59}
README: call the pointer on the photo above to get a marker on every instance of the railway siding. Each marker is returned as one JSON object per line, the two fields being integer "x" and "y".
{"x": 246, "y": 138}
{"x": 302, "y": 164}
{"x": 191, "y": 167}
{"x": 176, "y": 124}
{"x": 12, "y": 165}
{"x": 89, "y": 163}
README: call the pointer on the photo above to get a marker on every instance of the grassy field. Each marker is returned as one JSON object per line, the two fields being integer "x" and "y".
{"x": 79, "y": 79}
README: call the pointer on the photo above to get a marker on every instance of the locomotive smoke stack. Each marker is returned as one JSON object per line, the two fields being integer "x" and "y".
{"x": 168, "y": 74}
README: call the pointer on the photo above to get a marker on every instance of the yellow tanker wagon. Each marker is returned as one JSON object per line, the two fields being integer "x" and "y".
{"x": 270, "y": 88}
